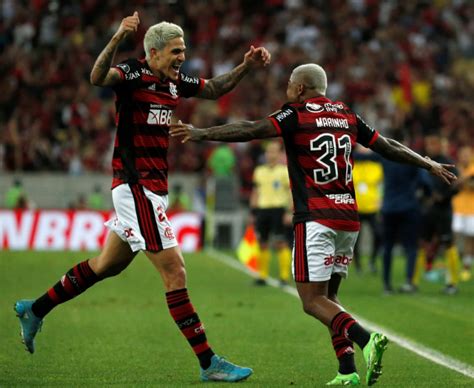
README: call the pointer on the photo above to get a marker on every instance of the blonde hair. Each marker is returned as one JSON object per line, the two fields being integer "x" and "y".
{"x": 312, "y": 76}
{"x": 158, "y": 36}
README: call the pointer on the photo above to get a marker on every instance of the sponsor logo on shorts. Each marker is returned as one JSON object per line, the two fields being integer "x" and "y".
{"x": 161, "y": 214}
{"x": 169, "y": 233}
{"x": 128, "y": 232}
{"x": 343, "y": 260}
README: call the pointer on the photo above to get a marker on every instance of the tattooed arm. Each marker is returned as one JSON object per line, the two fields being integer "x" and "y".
{"x": 238, "y": 131}
{"x": 393, "y": 150}
{"x": 222, "y": 84}
{"x": 102, "y": 74}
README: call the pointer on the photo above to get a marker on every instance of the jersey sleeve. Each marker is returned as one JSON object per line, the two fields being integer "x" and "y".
{"x": 129, "y": 71}
{"x": 366, "y": 135}
{"x": 189, "y": 86}
{"x": 284, "y": 120}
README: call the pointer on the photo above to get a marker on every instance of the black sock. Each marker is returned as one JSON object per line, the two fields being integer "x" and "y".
{"x": 343, "y": 324}
{"x": 205, "y": 358}
{"x": 344, "y": 349}
{"x": 359, "y": 335}
{"x": 347, "y": 364}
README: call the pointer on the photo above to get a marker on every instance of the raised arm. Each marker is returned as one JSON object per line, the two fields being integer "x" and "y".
{"x": 102, "y": 74}
{"x": 238, "y": 131}
{"x": 222, "y": 84}
{"x": 393, "y": 150}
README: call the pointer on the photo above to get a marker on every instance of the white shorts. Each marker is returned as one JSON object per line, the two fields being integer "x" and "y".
{"x": 463, "y": 224}
{"x": 141, "y": 219}
{"x": 319, "y": 251}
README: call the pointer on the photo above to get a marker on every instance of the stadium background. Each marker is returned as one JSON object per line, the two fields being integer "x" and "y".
{"x": 402, "y": 65}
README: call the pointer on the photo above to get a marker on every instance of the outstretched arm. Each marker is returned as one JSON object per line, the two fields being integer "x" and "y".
{"x": 222, "y": 84}
{"x": 102, "y": 74}
{"x": 238, "y": 131}
{"x": 393, "y": 150}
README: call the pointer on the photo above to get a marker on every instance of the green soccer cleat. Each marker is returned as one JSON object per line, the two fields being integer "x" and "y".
{"x": 223, "y": 370}
{"x": 350, "y": 379}
{"x": 373, "y": 353}
{"x": 30, "y": 324}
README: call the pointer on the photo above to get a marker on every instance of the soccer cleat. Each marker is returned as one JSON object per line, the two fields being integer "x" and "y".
{"x": 223, "y": 370}
{"x": 373, "y": 353}
{"x": 350, "y": 379}
{"x": 450, "y": 290}
{"x": 30, "y": 324}
{"x": 260, "y": 282}
{"x": 408, "y": 288}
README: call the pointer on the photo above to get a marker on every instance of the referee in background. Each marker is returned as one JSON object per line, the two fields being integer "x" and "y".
{"x": 271, "y": 207}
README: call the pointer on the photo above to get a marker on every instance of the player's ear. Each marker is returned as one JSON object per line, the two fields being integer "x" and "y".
{"x": 154, "y": 53}
{"x": 301, "y": 89}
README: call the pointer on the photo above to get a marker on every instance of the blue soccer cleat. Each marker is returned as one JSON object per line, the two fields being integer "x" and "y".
{"x": 223, "y": 370}
{"x": 30, "y": 324}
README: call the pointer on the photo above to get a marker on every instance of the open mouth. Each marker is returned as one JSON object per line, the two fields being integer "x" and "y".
{"x": 176, "y": 68}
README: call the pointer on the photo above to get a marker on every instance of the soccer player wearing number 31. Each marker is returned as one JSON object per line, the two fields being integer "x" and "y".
{"x": 319, "y": 137}
{"x": 148, "y": 91}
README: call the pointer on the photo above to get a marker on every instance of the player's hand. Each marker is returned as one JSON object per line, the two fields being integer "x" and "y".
{"x": 441, "y": 170}
{"x": 128, "y": 25}
{"x": 257, "y": 57}
{"x": 186, "y": 131}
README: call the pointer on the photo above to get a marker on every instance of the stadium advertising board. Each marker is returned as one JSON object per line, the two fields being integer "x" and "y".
{"x": 79, "y": 229}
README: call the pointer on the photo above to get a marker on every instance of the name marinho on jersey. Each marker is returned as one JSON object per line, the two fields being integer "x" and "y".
{"x": 332, "y": 122}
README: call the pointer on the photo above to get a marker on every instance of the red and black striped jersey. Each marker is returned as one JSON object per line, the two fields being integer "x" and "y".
{"x": 144, "y": 107}
{"x": 319, "y": 137}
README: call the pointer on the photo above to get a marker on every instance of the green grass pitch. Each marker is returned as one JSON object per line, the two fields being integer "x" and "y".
{"x": 119, "y": 333}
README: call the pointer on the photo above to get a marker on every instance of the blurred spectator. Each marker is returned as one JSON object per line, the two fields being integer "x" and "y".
{"x": 96, "y": 200}
{"x": 179, "y": 201}
{"x": 368, "y": 180}
{"x": 463, "y": 207}
{"x": 79, "y": 204}
{"x": 15, "y": 197}
{"x": 437, "y": 218}
{"x": 400, "y": 217}
{"x": 403, "y": 65}
{"x": 272, "y": 212}
{"x": 221, "y": 161}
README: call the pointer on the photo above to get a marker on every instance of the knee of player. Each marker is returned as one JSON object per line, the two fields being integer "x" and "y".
{"x": 310, "y": 308}
{"x": 333, "y": 297}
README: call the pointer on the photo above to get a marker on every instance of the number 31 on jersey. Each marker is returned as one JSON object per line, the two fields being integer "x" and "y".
{"x": 328, "y": 147}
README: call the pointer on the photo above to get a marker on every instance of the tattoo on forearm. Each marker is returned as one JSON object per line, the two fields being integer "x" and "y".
{"x": 239, "y": 131}
{"x": 393, "y": 150}
{"x": 224, "y": 83}
{"x": 103, "y": 63}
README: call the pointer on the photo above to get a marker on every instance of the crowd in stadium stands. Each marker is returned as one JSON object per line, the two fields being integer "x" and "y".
{"x": 402, "y": 65}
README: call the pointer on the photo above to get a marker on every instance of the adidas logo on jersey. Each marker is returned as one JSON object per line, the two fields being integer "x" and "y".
{"x": 152, "y": 87}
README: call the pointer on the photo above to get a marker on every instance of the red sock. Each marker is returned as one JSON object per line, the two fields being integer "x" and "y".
{"x": 344, "y": 349}
{"x": 344, "y": 325}
{"x": 74, "y": 282}
{"x": 188, "y": 322}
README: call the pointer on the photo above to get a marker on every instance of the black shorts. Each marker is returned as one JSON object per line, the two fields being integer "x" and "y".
{"x": 270, "y": 222}
{"x": 437, "y": 223}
